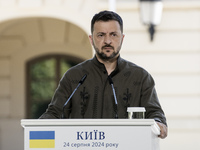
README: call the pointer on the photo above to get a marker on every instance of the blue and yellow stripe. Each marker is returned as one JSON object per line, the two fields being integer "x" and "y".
{"x": 42, "y": 139}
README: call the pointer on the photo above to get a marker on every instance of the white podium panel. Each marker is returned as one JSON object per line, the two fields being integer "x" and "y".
{"x": 87, "y": 134}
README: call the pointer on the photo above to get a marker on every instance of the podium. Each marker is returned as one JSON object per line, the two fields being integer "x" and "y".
{"x": 89, "y": 134}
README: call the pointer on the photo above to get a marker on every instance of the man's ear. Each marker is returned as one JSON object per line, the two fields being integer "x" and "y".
{"x": 123, "y": 37}
{"x": 91, "y": 40}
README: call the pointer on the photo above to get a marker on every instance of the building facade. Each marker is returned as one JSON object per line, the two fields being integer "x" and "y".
{"x": 30, "y": 29}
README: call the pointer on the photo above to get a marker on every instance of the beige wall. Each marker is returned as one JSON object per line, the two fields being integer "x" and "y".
{"x": 173, "y": 58}
{"x": 174, "y": 61}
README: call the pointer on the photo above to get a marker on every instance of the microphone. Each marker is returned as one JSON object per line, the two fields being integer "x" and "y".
{"x": 79, "y": 83}
{"x": 113, "y": 89}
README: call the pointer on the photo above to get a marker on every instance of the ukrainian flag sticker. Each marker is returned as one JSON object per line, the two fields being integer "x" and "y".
{"x": 42, "y": 139}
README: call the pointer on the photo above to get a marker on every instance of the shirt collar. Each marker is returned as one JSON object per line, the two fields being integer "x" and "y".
{"x": 102, "y": 67}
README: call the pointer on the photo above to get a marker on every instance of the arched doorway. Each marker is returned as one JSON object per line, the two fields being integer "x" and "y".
{"x": 26, "y": 39}
{"x": 27, "y": 34}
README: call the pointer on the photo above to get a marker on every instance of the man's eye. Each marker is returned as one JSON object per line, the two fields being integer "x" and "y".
{"x": 114, "y": 34}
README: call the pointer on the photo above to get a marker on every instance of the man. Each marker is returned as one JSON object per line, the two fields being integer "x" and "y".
{"x": 94, "y": 98}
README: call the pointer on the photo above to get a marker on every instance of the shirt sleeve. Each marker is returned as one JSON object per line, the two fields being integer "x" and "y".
{"x": 149, "y": 100}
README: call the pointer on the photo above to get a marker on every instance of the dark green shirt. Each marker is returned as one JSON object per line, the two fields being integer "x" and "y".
{"x": 133, "y": 85}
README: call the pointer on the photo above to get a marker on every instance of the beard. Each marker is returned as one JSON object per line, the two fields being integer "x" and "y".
{"x": 103, "y": 56}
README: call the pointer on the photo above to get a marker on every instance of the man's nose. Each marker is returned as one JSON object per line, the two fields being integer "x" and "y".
{"x": 107, "y": 40}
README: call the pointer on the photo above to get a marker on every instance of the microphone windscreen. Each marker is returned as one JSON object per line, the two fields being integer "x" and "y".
{"x": 110, "y": 80}
{"x": 83, "y": 79}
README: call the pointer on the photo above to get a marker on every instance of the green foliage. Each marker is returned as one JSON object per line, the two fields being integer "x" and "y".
{"x": 43, "y": 69}
{"x": 42, "y": 80}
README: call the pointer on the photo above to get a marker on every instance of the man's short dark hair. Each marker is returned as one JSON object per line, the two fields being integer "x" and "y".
{"x": 106, "y": 16}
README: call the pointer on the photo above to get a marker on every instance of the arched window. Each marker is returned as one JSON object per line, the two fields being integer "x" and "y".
{"x": 43, "y": 76}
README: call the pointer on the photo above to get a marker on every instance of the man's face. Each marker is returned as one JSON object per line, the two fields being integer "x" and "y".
{"x": 107, "y": 39}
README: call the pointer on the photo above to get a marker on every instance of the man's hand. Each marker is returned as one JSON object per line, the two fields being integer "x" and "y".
{"x": 163, "y": 130}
